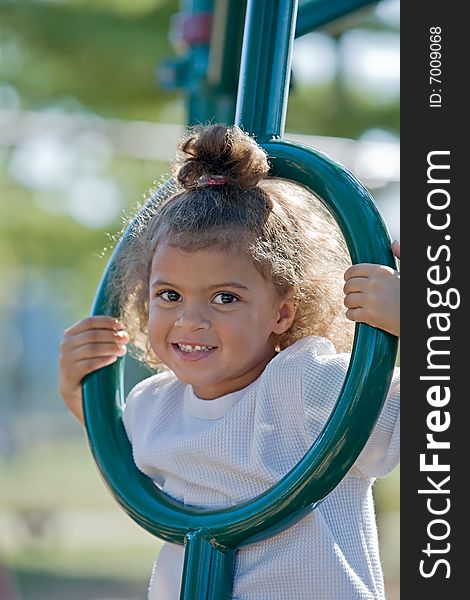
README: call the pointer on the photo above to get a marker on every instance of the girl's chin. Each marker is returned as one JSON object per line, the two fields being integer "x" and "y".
{"x": 192, "y": 379}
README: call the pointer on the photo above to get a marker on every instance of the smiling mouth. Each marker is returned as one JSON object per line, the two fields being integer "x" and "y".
{"x": 189, "y": 348}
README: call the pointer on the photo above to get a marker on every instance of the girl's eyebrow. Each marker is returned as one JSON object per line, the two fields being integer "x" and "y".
{"x": 228, "y": 284}
{"x": 232, "y": 284}
{"x": 159, "y": 282}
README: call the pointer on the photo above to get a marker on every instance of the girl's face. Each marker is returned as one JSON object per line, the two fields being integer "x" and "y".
{"x": 213, "y": 318}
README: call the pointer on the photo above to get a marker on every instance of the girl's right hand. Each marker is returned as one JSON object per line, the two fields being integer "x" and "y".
{"x": 373, "y": 294}
{"x": 86, "y": 346}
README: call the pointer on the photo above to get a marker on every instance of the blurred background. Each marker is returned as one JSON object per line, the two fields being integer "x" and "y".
{"x": 89, "y": 120}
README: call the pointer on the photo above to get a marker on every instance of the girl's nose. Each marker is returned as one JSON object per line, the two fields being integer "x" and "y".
{"x": 192, "y": 321}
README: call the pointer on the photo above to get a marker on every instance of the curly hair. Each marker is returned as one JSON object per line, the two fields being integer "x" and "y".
{"x": 292, "y": 238}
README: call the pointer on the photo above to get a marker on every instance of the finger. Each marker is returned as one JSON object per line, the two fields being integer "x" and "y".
{"x": 94, "y": 322}
{"x": 396, "y": 248}
{"x": 359, "y": 270}
{"x": 73, "y": 362}
{"x": 93, "y": 336}
{"x": 368, "y": 270}
{"x": 354, "y": 300}
{"x": 356, "y": 314}
{"x": 97, "y": 350}
{"x": 100, "y": 336}
{"x": 355, "y": 284}
{"x": 74, "y": 355}
{"x": 84, "y": 367}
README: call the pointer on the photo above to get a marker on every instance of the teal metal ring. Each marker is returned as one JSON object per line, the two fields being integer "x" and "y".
{"x": 345, "y": 433}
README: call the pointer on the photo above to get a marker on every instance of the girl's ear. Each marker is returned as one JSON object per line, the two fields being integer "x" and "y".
{"x": 286, "y": 314}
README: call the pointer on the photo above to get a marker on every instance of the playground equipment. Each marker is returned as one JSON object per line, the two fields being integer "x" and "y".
{"x": 211, "y": 538}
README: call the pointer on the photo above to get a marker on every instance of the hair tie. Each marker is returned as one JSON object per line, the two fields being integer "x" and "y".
{"x": 205, "y": 181}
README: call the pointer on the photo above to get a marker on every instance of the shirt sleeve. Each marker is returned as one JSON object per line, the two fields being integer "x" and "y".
{"x": 323, "y": 377}
{"x": 381, "y": 454}
{"x": 141, "y": 402}
{"x": 131, "y": 407}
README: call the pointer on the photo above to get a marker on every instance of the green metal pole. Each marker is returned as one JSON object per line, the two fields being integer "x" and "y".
{"x": 225, "y": 47}
{"x": 207, "y": 570}
{"x": 200, "y": 99}
{"x": 265, "y": 67}
{"x": 207, "y": 74}
{"x": 315, "y": 13}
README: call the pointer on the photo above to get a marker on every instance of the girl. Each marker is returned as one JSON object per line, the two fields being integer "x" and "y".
{"x": 234, "y": 284}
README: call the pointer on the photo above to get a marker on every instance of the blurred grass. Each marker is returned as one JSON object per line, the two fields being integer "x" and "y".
{"x": 63, "y": 536}
{"x": 102, "y": 562}
{"x": 61, "y": 533}
{"x": 66, "y": 462}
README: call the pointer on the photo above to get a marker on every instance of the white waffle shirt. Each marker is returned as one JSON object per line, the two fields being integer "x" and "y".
{"x": 217, "y": 453}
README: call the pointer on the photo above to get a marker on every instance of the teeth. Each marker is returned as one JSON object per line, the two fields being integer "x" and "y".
{"x": 197, "y": 348}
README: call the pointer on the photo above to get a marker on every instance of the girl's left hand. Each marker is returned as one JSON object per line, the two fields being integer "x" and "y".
{"x": 373, "y": 294}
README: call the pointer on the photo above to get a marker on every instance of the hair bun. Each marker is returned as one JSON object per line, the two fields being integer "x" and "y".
{"x": 221, "y": 151}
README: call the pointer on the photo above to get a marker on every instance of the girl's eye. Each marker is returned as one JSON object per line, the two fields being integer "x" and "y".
{"x": 225, "y": 298}
{"x": 169, "y": 295}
